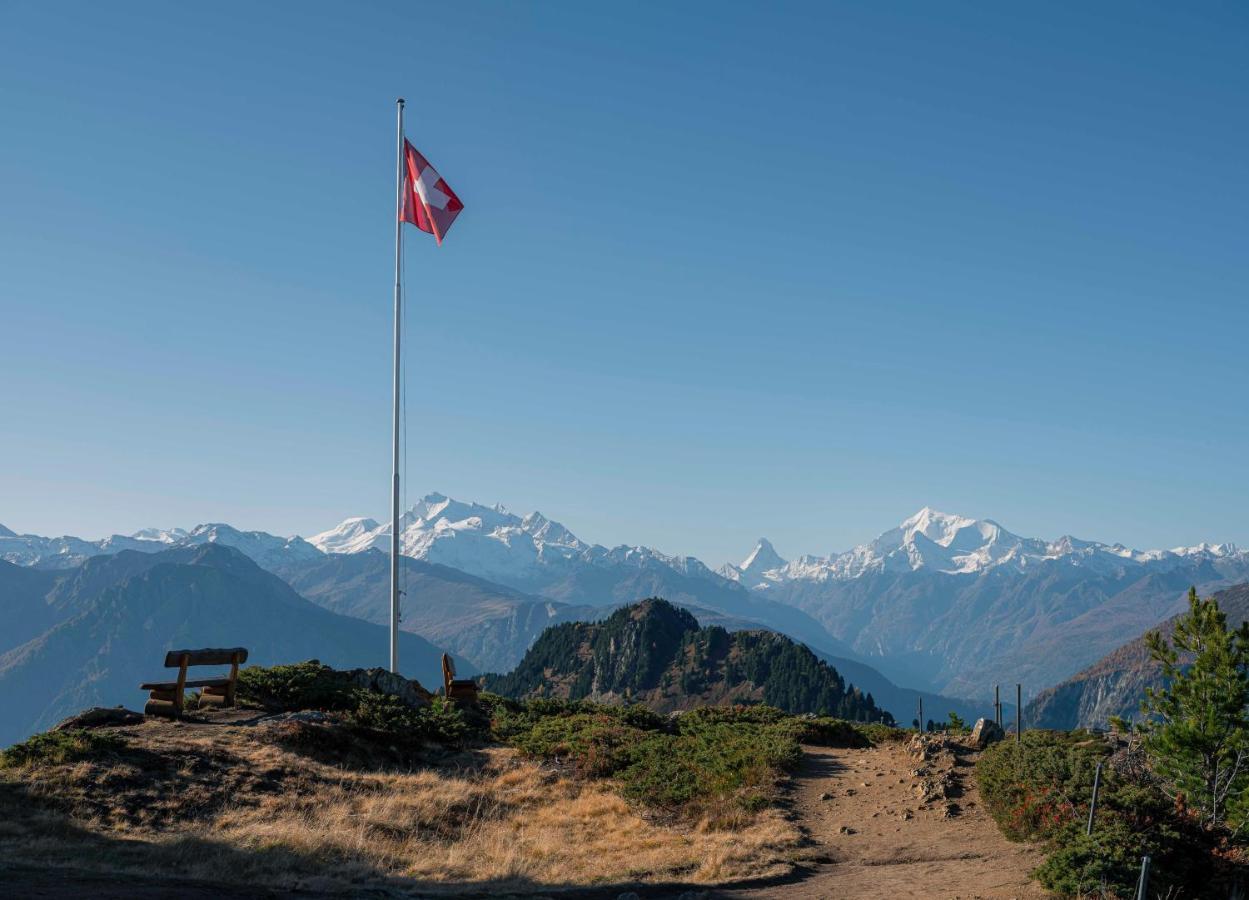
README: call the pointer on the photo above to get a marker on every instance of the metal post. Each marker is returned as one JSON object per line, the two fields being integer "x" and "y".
{"x": 921, "y": 715}
{"x": 1097, "y": 780}
{"x": 1142, "y": 884}
{"x": 394, "y": 496}
{"x": 1018, "y": 713}
{"x": 997, "y": 703}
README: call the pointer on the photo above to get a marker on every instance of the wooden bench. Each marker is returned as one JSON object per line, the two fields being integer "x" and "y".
{"x": 464, "y": 689}
{"x": 167, "y": 697}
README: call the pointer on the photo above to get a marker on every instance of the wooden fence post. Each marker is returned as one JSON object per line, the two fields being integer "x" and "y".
{"x": 1018, "y": 713}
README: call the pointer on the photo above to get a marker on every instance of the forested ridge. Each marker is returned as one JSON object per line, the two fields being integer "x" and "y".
{"x": 655, "y": 653}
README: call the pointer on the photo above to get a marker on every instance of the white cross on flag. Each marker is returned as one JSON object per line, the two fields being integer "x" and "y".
{"x": 428, "y": 201}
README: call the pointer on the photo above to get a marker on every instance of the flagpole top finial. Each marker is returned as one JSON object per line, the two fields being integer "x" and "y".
{"x": 400, "y": 101}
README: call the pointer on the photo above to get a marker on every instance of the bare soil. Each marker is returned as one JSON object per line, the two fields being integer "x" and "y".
{"x": 896, "y": 822}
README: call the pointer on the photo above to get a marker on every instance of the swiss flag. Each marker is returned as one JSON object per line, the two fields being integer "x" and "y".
{"x": 428, "y": 201}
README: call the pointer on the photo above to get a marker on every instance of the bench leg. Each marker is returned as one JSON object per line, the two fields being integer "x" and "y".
{"x": 164, "y": 703}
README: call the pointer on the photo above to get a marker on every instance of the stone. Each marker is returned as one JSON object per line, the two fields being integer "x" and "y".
{"x": 826, "y": 796}
{"x": 100, "y": 717}
{"x": 846, "y": 829}
{"x": 986, "y": 732}
{"x": 386, "y": 682}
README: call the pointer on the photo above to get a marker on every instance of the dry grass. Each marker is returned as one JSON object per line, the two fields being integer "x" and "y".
{"x": 232, "y": 804}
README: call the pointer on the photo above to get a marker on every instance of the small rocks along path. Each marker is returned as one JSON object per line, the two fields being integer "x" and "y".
{"x": 900, "y": 820}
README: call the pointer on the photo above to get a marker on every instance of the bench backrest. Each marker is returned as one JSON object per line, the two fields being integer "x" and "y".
{"x": 209, "y": 656}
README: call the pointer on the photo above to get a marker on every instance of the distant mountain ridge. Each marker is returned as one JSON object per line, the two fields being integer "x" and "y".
{"x": 945, "y": 603}
{"x": 1115, "y": 684}
{"x": 88, "y": 636}
{"x": 955, "y": 545}
{"x": 656, "y": 654}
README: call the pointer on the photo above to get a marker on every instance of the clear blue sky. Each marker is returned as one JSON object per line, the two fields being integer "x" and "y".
{"x": 726, "y": 270}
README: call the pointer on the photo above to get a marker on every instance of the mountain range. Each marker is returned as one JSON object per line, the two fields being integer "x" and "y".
{"x": 943, "y": 603}
{"x": 89, "y": 635}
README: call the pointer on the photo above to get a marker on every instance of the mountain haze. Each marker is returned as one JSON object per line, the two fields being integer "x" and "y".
{"x": 1115, "y": 684}
{"x": 106, "y": 627}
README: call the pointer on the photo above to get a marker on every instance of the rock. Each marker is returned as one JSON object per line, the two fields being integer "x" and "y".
{"x": 846, "y": 829}
{"x": 951, "y": 810}
{"x": 850, "y": 792}
{"x": 386, "y": 682}
{"x": 315, "y": 716}
{"x": 986, "y": 732}
{"x": 101, "y": 716}
{"x": 826, "y": 796}
{"x": 906, "y": 814}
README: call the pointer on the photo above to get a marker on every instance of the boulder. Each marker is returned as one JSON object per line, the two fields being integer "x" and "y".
{"x": 100, "y": 717}
{"x": 387, "y": 682}
{"x": 986, "y": 732}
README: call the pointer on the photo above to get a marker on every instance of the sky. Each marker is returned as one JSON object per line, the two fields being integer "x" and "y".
{"x": 724, "y": 271}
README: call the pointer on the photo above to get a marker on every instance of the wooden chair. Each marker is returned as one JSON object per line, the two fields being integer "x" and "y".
{"x": 168, "y": 697}
{"x": 464, "y": 689}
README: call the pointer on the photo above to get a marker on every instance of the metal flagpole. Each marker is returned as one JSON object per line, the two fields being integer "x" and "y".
{"x": 394, "y": 498}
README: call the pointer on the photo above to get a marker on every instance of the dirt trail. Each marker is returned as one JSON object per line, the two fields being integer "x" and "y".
{"x": 887, "y": 837}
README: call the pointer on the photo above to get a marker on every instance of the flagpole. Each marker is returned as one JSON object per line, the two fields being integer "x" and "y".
{"x": 394, "y": 498}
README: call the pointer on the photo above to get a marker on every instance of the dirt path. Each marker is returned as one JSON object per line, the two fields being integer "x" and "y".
{"x": 896, "y": 823}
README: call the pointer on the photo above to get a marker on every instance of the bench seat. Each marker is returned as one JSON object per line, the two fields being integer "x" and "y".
{"x": 173, "y": 685}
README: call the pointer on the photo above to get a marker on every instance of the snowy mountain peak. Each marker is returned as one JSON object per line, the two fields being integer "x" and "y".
{"x": 162, "y": 535}
{"x": 940, "y": 528}
{"x": 763, "y": 558}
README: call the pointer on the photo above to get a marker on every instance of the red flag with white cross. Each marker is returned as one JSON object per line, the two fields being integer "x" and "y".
{"x": 428, "y": 201}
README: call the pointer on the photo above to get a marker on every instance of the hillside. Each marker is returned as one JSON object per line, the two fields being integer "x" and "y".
{"x": 488, "y": 623}
{"x": 317, "y": 788}
{"x": 1115, "y": 684}
{"x": 655, "y": 653}
{"x": 101, "y": 629}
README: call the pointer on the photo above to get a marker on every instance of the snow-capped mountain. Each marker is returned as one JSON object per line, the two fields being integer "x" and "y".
{"x": 64, "y": 552}
{"x": 950, "y": 544}
{"x": 758, "y": 569}
{"x": 493, "y": 543}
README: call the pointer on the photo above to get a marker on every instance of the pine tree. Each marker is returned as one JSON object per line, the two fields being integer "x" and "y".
{"x": 1198, "y": 732}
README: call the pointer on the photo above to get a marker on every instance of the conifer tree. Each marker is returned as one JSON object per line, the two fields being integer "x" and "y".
{"x": 1197, "y": 734}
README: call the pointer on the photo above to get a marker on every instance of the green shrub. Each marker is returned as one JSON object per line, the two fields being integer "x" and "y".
{"x": 1040, "y": 790}
{"x": 683, "y": 765}
{"x": 54, "y": 748}
{"x": 305, "y": 685}
{"x": 596, "y": 744}
{"x": 1033, "y": 788}
{"x": 312, "y": 686}
{"x": 441, "y": 721}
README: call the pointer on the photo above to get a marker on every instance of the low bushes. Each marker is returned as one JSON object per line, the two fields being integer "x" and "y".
{"x": 54, "y": 748}
{"x": 312, "y": 686}
{"x": 707, "y": 762}
{"x": 1040, "y": 790}
{"x": 305, "y": 685}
